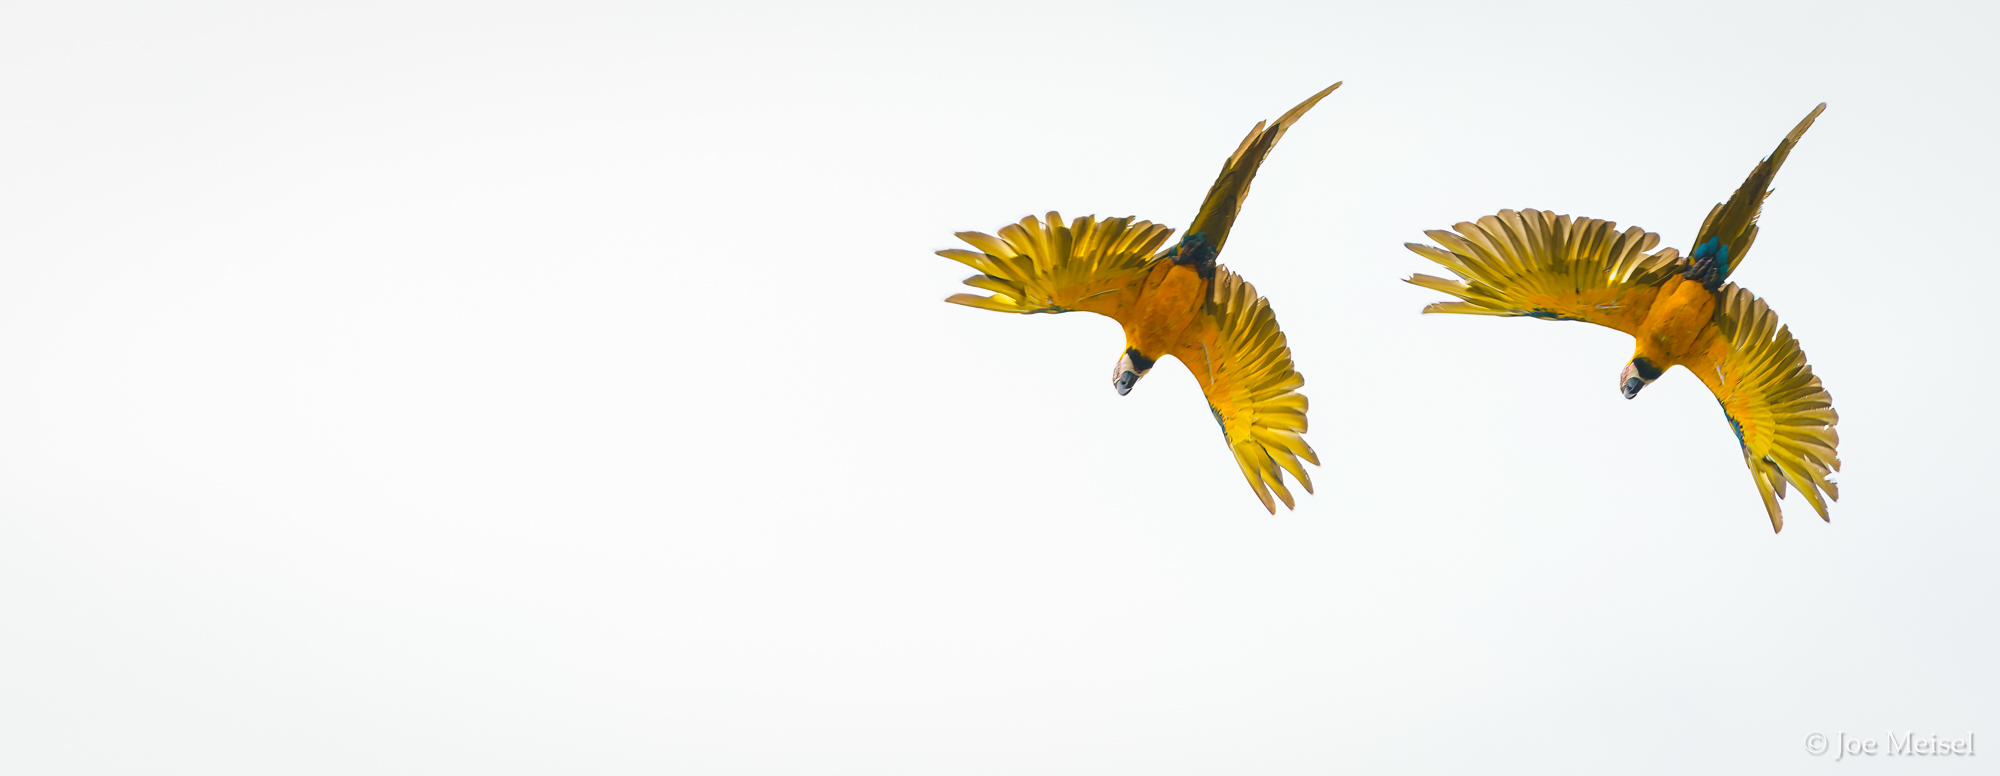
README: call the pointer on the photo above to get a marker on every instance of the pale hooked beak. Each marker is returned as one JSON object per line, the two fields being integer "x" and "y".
{"x": 1637, "y": 374}
{"x": 1128, "y": 371}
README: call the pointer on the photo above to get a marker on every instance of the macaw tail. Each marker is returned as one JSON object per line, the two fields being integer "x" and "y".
{"x": 1203, "y": 238}
{"x": 1731, "y": 226}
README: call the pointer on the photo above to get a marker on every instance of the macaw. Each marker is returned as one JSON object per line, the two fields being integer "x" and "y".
{"x": 1178, "y": 302}
{"x": 1680, "y": 311}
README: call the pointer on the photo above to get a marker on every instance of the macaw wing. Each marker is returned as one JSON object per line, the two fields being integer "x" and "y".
{"x": 1733, "y": 224}
{"x": 1036, "y": 267}
{"x": 1783, "y": 418}
{"x": 1239, "y": 356}
{"x": 1542, "y": 265}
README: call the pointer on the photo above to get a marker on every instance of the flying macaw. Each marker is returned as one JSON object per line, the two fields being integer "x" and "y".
{"x": 1176, "y": 302}
{"x": 1679, "y": 310}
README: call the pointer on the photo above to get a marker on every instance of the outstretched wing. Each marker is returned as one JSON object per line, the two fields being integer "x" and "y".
{"x": 1225, "y": 196}
{"x": 1036, "y": 267}
{"x": 1782, "y": 416}
{"x": 1239, "y": 356}
{"x": 1542, "y": 265}
{"x": 1733, "y": 224}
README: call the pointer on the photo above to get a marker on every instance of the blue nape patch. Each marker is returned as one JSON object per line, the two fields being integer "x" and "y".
{"x": 1194, "y": 249}
{"x": 1716, "y": 250}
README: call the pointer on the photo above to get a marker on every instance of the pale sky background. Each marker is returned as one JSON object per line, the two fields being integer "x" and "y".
{"x": 417, "y": 388}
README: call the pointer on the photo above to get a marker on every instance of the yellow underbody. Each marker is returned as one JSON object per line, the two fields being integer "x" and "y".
{"x": 1170, "y": 300}
{"x": 1678, "y": 329}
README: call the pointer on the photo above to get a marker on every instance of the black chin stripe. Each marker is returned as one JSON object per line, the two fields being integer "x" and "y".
{"x": 1646, "y": 370}
{"x": 1139, "y": 363}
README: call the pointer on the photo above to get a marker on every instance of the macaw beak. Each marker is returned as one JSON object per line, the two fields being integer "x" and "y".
{"x": 1127, "y": 373}
{"x": 1638, "y": 374}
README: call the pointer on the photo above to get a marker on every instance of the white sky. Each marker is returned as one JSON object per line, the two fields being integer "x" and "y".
{"x": 476, "y": 388}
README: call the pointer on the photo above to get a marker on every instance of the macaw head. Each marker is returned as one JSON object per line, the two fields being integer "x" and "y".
{"x": 1639, "y": 373}
{"x": 1131, "y": 366}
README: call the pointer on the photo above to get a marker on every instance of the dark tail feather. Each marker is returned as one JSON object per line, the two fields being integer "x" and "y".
{"x": 1734, "y": 223}
{"x": 1203, "y": 239}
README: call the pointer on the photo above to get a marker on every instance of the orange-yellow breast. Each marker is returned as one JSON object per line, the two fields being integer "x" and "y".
{"x": 1169, "y": 301}
{"x": 1679, "y": 325}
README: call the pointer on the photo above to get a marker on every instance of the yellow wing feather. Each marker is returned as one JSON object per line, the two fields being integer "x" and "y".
{"x": 1538, "y": 264}
{"x": 1782, "y": 416}
{"x": 1239, "y": 356}
{"x": 1037, "y": 267}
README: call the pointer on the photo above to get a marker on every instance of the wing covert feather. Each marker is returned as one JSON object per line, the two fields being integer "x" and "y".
{"x": 1046, "y": 267}
{"x": 1538, "y": 264}
{"x": 1239, "y": 356}
{"x": 1782, "y": 417}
